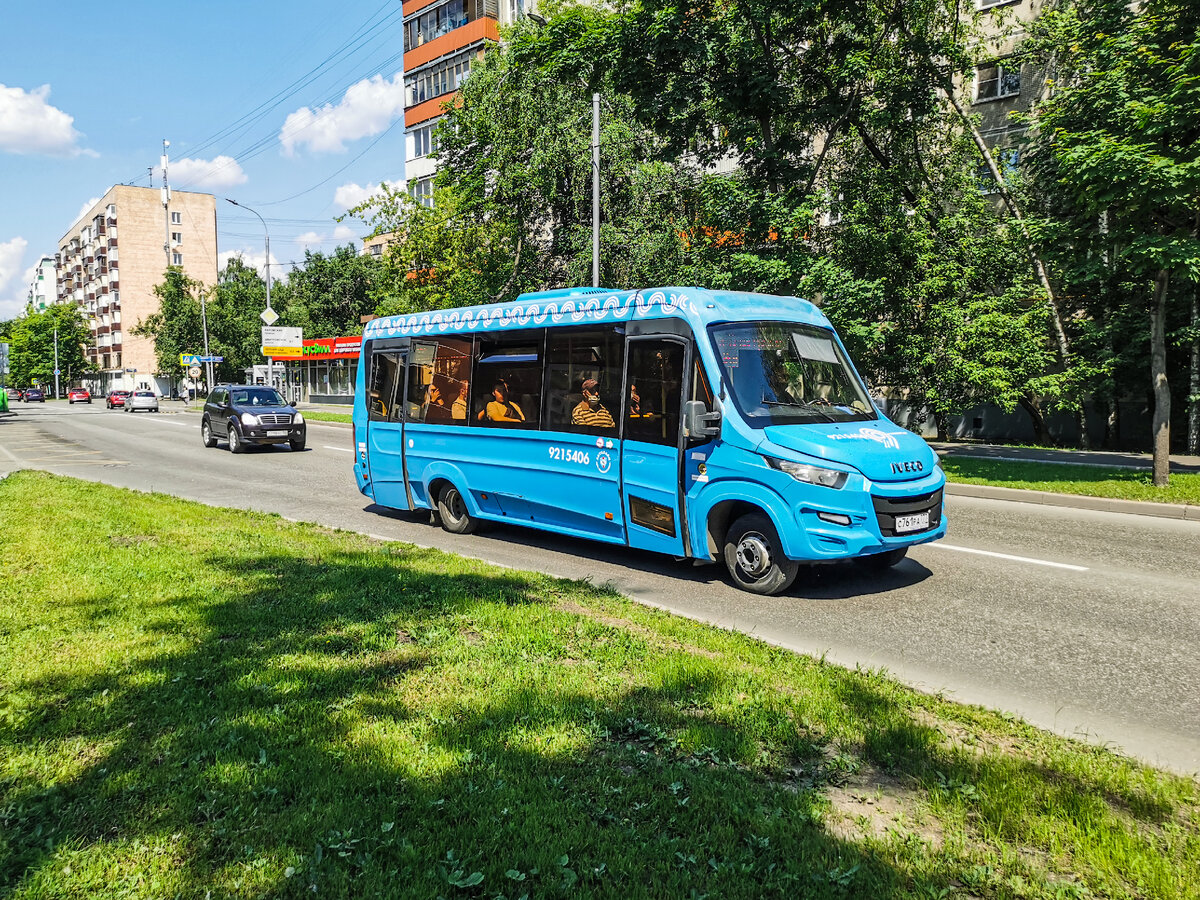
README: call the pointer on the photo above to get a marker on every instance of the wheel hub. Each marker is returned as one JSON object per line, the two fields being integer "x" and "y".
{"x": 754, "y": 555}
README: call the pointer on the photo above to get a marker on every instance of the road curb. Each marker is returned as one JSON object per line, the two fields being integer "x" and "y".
{"x": 1076, "y": 501}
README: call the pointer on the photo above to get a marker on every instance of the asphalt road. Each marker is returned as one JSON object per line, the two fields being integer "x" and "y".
{"x": 1083, "y": 622}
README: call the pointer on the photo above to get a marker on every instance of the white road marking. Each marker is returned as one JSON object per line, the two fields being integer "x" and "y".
{"x": 342, "y": 449}
{"x": 1024, "y": 559}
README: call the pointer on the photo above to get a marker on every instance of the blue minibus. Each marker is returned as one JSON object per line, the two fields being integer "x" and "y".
{"x": 718, "y": 426}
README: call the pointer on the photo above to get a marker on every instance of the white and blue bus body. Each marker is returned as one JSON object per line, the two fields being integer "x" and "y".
{"x": 720, "y": 426}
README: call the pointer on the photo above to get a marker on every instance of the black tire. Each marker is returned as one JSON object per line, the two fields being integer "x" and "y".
{"x": 297, "y": 444}
{"x": 754, "y": 556}
{"x": 236, "y": 444}
{"x": 452, "y": 510}
{"x": 206, "y": 434}
{"x": 878, "y": 562}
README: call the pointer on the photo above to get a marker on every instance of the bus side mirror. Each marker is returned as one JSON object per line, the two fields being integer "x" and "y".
{"x": 699, "y": 422}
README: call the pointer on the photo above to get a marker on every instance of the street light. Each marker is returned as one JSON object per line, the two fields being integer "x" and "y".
{"x": 270, "y": 374}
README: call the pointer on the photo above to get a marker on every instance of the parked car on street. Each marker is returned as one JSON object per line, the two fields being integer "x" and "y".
{"x": 147, "y": 400}
{"x": 116, "y": 398}
{"x": 35, "y": 395}
{"x": 79, "y": 395}
{"x": 250, "y": 414}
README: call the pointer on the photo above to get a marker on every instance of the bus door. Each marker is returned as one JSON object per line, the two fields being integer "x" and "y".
{"x": 385, "y": 428}
{"x": 650, "y": 451}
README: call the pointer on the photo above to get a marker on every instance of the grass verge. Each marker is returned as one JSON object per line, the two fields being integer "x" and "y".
{"x": 328, "y": 416}
{"x": 1091, "y": 481}
{"x": 199, "y": 702}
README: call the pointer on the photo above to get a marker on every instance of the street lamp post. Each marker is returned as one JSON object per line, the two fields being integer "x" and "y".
{"x": 270, "y": 374}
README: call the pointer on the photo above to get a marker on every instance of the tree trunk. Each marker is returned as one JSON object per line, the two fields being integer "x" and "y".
{"x": 1161, "y": 428}
{"x": 1193, "y": 438}
{"x": 943, "y": 431}
{"x": 1033, "y": 406}
{"x": 1112, "y": 425}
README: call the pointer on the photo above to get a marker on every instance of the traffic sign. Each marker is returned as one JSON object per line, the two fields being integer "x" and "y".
{"x": 282, "y": 337}
{"x": 194, "y": 372}
{"x": 269, "y": 316}
{"x": 289, "y": 352}
{"x": 189, "y": 359}
{"x": 58, "y": 371}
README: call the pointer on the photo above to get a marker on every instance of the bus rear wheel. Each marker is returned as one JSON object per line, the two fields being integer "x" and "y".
{"x": 754, "y": 556}
{"x": 453, "y": 512}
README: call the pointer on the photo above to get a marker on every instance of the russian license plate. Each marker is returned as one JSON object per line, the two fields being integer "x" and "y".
{"x": 915, "y": 522}
{"x": 284, "y": 434}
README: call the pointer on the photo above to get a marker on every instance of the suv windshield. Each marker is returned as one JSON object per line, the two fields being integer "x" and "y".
{"x": 257, "y": 396}
{"x": 780, "y": 374}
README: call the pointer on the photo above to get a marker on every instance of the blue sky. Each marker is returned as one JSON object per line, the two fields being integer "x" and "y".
{"x": 294, "y": 109}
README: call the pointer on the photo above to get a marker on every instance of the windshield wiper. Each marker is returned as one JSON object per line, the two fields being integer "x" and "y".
{"x": 806, "y": 405}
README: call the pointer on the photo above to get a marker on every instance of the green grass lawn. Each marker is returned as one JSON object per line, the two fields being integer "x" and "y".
{"x": 1092, "y": 481}
{"x": 200, "y": 703}
{"x": 327, "y": 416}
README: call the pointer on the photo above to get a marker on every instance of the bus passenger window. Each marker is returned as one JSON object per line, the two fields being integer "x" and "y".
{"x": 583, "y": 379}
{"x": 508, "y": 372}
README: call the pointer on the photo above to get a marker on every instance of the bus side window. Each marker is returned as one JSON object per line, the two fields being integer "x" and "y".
{"x": 381, "y": 392}
{"x": 508, "y": 380}
{"x": 575, "y": 356}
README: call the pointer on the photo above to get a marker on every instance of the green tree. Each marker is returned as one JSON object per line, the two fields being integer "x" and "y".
{"x": 177, "y": 326}
{"x": 234, "y": 326}
{"x": 327, "y": 295}
{"x": 1117, "y": 145}
{"x": 31, "y": 340}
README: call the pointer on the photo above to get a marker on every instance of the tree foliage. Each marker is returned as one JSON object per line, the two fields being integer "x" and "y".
{"x": 31, "y": 340}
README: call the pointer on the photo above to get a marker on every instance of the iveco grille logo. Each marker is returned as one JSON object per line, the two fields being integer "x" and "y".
{"x": 910, "y": 466}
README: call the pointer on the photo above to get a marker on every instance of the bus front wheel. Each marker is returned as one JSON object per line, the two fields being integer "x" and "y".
{"x": 453, "y": 511}
{"x": 754, "y": 556}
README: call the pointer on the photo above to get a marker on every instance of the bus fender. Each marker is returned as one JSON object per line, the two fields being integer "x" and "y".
{"x": 720, "y": 502}
{"x": 442, "y": 471}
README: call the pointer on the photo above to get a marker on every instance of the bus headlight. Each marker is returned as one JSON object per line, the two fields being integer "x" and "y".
{"x": 830, "y": 478}
{"x": 248, "y": 419}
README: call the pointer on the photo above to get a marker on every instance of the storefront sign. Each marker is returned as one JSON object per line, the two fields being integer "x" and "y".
{"x": 331, "y": 348}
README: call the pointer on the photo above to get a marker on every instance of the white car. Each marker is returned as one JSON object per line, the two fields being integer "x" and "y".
{"x": 147, "y": 400}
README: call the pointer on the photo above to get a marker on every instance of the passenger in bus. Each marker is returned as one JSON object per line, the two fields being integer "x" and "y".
{"x": 635, "y": 403}
{"x": 433, "y": 401}
{"x": 458, "y": 409}
{"x": 591, "y": 412}
{"x": 500, "y": 408}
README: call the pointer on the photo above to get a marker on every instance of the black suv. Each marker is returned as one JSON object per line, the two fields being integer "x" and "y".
{"x": 250, "y": 414}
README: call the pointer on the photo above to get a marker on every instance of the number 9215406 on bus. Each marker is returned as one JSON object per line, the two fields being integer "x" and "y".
{"x": 720, "y": 426}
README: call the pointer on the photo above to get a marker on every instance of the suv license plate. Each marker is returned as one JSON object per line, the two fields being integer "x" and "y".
{"x": 284, "y": 434}
{"x": 917, "y": 522}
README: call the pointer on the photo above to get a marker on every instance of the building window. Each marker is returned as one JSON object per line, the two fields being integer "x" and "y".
{"x": 423, "y": 141}
{"x": 988, "y": 4}
{"x": 1007, "y": 160}
{"x": 177, "y": 259}
{"x": 997, "y": 80}
{"x": 437, "y": 80}
{"x": 422, "y": 191}
{"x": 427, "y": 26}
{"x": 177, "y": 237}
{"x": 176, "y": 218}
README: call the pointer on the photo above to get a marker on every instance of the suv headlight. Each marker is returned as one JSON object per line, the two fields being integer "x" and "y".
{"x": 831, "y": 478}
{"x": 298, "y": 420}
{"x": 248, "y": 419}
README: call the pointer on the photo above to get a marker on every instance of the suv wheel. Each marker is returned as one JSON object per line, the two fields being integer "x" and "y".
{"x": 236, "y": 444}
{"x": 297, "y": 443}
{"x": 206, "y": 434}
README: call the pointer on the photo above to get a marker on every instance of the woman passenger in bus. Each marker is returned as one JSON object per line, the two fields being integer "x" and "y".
{"x": 458, "y": 409}
{"x": 500, "y": 408}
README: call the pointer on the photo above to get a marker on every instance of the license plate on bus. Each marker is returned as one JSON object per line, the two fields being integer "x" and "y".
{"x": 277, "y": 433}
{"x": 916, "y": 522}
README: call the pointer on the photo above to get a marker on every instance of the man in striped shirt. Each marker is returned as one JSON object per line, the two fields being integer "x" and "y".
{"x": 591, "y": 412}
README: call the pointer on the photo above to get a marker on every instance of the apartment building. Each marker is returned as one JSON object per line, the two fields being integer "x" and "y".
{"x": 442, "y": 40}
{"x": 111, "y": 259}
{"x": 43, "y": 290}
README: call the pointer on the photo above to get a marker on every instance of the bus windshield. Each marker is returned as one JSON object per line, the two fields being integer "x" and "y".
{"x": 781, "y": 373}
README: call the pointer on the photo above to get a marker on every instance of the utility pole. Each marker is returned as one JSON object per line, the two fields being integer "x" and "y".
{"x": 208, "y": 372}
{"x": 596, "y": 190}
{"x": 166, "y": 202}
{"x": 55, "y": 362}
{"x": 268, "y": 313}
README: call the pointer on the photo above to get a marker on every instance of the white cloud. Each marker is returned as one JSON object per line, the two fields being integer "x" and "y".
{"x": 342, "y": 234}
{"x": 367, "y": 108}
{"x": 86, "y": 208}
{"x": 28, "y": 124}
{"x": 217, "y": 174}
{"x": 352, "y": 194}
{"x": 13, "y": 291}
{"x": 254, "y": 259}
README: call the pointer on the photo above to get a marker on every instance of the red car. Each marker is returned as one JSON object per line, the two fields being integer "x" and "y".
{"x": 116, "y": 398}
{"x": 82, "y": 395}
